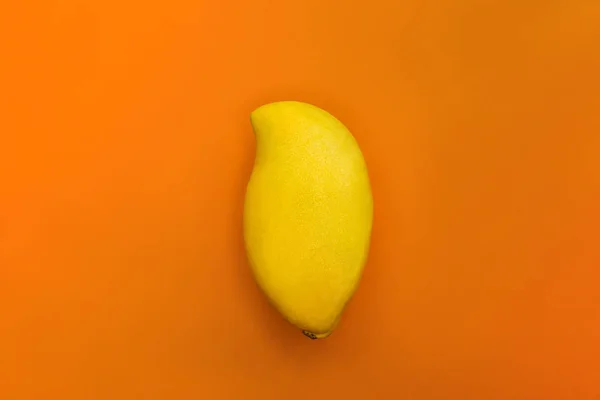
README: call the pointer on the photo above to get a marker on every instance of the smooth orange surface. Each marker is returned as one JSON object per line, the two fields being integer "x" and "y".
{"x": 126, "y": 146}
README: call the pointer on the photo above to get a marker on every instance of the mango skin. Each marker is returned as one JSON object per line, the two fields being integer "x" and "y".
{"x": 308, "y": 214}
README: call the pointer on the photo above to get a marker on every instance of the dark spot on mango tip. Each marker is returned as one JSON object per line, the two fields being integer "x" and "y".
{"x": 309, "y": 334}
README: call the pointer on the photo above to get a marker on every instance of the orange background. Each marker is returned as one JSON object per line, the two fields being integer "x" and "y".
{"x": 125, "y": 149}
